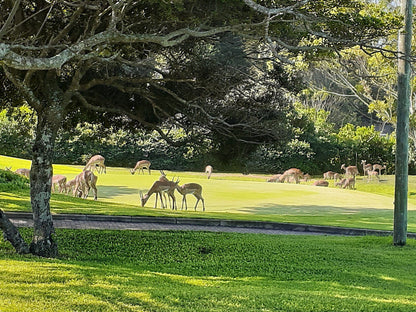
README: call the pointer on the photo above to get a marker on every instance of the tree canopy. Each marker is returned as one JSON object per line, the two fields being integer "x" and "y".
{"x": 203, "y": 65}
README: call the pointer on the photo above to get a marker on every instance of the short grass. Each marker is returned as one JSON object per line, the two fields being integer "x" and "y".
{"x": 199, "y": 271}
{"x": 232, "y": 196}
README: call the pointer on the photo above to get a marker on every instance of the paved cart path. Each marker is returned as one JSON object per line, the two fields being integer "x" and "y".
{"x": 70, "y": 221}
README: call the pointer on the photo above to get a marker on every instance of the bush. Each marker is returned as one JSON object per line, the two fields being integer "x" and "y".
{"x": 10, "y": 181}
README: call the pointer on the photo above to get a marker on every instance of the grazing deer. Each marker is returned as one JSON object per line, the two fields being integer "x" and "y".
{"x": 350, "y": 183}
{"x": 140, "y": 165}
{"x": 83, "y": 183}
{"x": 379, "y": 168}
{"x": 371, "y": 174}
{"x": 366, "y": 167}
{"x": 329, "y": 175}
{"x": 191, "y": 188}
{"x": 96, "y": 162}
{"x": 292, "y": 173}
{"x": 70, "y": 185}
{"x": 350, "y": 170}
{"x": 341, "y": 182}
{"x": 274, "y": 178}
{"x": 208, "y": 170}
{"x": 321, "y": 183}
{"x": 60, "y": 181}
{"x": 23, "y": 172}
{"x": 158, "y": 187}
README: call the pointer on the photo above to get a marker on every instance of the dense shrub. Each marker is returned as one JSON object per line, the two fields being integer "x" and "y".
{"x": 10, "y": 181}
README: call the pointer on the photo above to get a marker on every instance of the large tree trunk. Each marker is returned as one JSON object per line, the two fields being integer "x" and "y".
{"x": 12, "y": 235}
{"x": 43, "y": 243}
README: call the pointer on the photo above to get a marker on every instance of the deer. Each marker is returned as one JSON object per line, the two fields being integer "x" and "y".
{"x": 140, "y": 165}
{"x": 97, "y": 162}
{"x": 23, "y": 172}
{"x": 194, "y": 189}
{"x": 371, "y": 174}
{"x": 329, "y": 175}
{"x": 293, "y": 173}
{"x": 350, "y": 170}
{"x": 366, "y": 167}
{"x": 69, "y": 185}
{"x": 208, "y": 170}
{"x": 274, "y": 178}
{"x": 158, "y": 187}
{"x": 337, "y": 176}
{"x": 379, "y": 168}
{"x": 350, "y": 183}
{"x": 83, "y": 183}
{"x": 341, "y": 182}
{"x": 60, "y": 181}
{"x": 321, "y": 183}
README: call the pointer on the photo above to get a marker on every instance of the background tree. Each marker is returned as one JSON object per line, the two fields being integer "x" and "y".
{"x": 131, "y": 63}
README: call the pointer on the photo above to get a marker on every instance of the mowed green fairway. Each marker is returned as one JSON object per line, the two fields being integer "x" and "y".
{"x": 232, "y": 196}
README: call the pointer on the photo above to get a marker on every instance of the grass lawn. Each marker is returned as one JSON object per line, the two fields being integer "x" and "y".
{"x": 198, "y": 271}
{"x": 232, "y": 196}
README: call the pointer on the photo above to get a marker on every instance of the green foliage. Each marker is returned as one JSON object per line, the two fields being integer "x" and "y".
{"x": 10, "y": 181}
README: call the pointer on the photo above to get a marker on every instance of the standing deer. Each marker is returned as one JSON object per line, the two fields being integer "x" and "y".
{"x": 379, "y": 168}
{"x": 97, "y": 162}
{"x": 191, "y": 188}
{"x": 350, "y": 170}
{"x": 140, "y": 165}
{"x": 366, "y": 167}
{"x": 208, "y": 170}
{"x": 158, "y": 187}
{"x": 60, "y": 181}
{"x": 23, "y": 172}
{"x": 83, "y": 183}
{"x": 329, "y": 175}
{"x": 371, "y": 174}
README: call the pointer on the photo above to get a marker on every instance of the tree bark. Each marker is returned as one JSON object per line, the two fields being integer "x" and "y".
{"x": 12, "y": 235}
{"x": 402, "y": 136}
{"x": 43, "y": 242}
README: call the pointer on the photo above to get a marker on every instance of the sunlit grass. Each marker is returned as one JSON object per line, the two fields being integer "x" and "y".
{"x": 233, "y": 196}
{"x": 197, "y": 271}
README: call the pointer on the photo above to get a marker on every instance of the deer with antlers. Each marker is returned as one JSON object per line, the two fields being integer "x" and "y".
{"x": 194, "y": 189}
{"x": 97, "y": 162}
{"x": 140, "y": 166}
{"x": 158, "y": 188}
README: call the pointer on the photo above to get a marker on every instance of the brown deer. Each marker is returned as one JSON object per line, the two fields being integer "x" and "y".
{"x": 321, "y": 183}
{"x": 291, "y": 174}
{"x": 371, "y": 174}
{"x": 23, "y": 172}
{"x": 83, "y": 183}
{"x": 379, "y": 168}
{"x": 366, "y": 167}
{"x": 141, "y": 165}
{"x": 350, "y": 170}
{"x": 350, "y": 183}
{"x": 191, "y": 188}
{"x": 97, "y": 162}
{"x": 329, "y": 175}
{"x": 274, "y": 178}
{"x": 60, "y": 181}
{"x": 158, "y": 187}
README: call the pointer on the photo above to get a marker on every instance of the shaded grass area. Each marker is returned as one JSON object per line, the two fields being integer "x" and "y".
{"x": 199, "y": 271}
